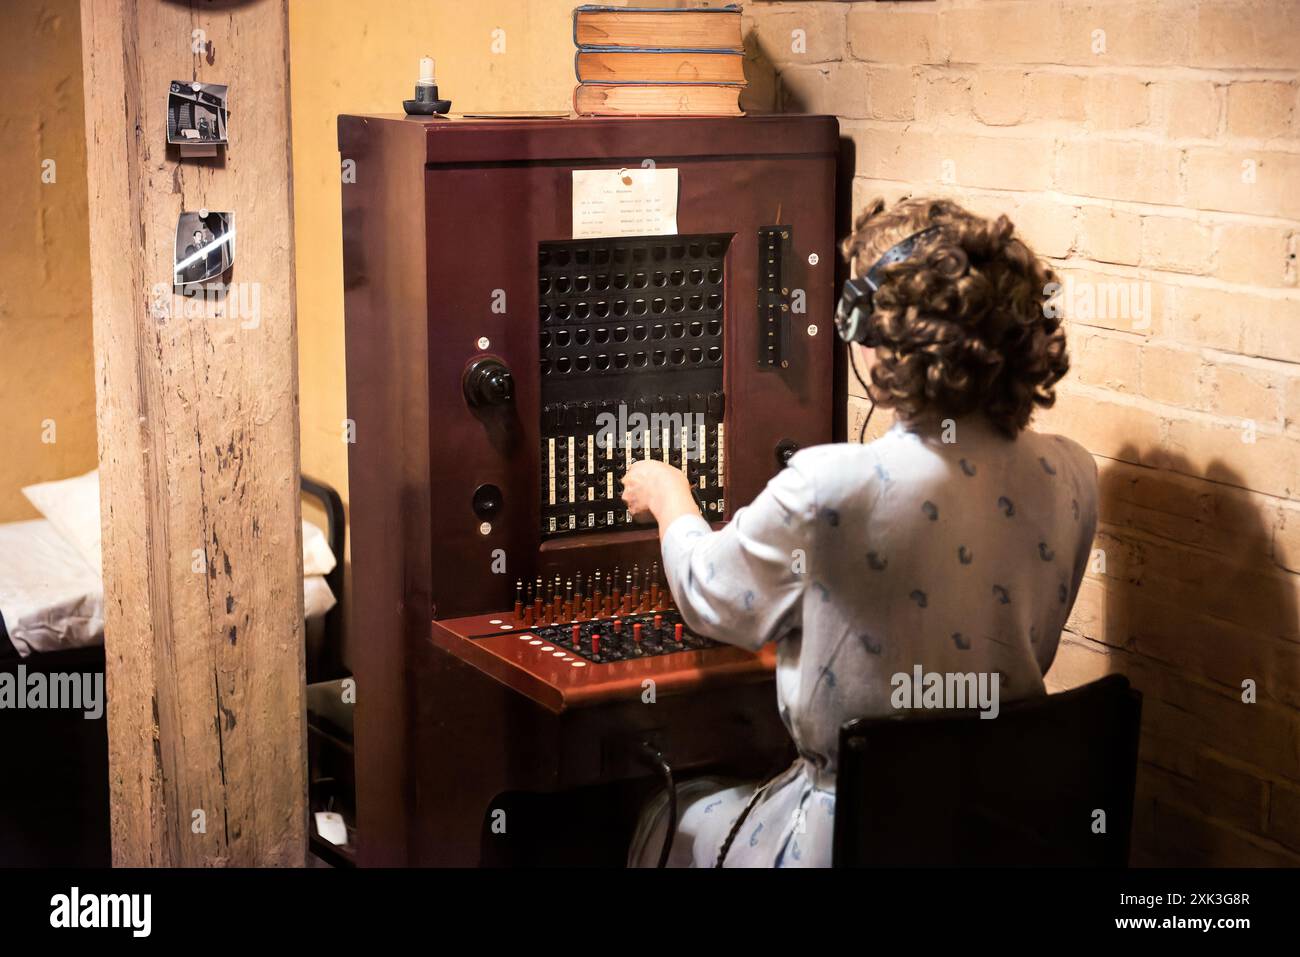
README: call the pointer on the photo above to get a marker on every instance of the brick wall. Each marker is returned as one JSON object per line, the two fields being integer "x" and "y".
{"x": 1151, "y": 146}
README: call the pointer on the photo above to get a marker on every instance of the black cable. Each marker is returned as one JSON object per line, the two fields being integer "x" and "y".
{"x": 666, "y": 772}
{"x": 871, "y": 411}
{"x": 735, "y": 829}
{"x": 759, "y": 791}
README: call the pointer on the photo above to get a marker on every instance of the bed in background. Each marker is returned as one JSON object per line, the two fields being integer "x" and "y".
{"x": 54, "y": 803}
{"x": 51, "y": 587}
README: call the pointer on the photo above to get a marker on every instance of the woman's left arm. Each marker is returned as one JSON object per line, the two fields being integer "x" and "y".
{"x": 741, "y": 584}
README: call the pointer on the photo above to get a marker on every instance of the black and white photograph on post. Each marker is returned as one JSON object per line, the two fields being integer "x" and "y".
{"x": 205, "y": 247}
{"x": 197, "y": 116}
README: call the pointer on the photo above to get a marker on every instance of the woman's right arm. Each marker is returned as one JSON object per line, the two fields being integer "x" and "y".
{"x": 743, "y": 584}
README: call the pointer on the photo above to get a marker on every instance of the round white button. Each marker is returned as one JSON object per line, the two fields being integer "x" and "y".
{"x": 483, "y": 342}
{"x": 578, "y": 664}
{"x": 812, "y": 330}
{"x": 485, "y": 528}
{"x": 813, "y": 259}
{"x": 494, "y": 621}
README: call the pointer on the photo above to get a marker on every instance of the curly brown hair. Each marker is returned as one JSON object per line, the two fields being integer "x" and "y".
{"x": 960, "y": 325}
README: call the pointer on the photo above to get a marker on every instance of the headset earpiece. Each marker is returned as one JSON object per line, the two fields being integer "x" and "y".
{"x": 856, "y": 306}
{"x": 853, "y": 317}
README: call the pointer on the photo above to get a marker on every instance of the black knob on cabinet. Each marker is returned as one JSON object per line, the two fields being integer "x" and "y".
{"x": 487, "y": 501}
{"x": 785, "y": 450}
{"x": 488, "y": 382}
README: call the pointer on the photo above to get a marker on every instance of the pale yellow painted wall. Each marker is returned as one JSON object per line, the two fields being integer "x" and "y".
{"x": 46, "y": 354}
{"x": 340, "y": 64}
{"x": 344, "y": 57}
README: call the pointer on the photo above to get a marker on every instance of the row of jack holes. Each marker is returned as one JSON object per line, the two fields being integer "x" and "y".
{"x": 636, "y": 254}
{"x": 563, "y": 285}
{"x": 621, "y": 307}
{"x": 560, "y": 338}
{"x": 603, "y": 362}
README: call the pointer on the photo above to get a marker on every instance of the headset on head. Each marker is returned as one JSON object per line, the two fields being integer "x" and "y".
{"x": 853, "y": 317}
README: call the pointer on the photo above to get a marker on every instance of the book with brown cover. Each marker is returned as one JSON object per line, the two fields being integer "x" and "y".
{"x": 666, "y": 99}
{"x": 658, "y": 66}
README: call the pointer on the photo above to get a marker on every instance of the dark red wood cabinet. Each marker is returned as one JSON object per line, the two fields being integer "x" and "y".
{"x": 459, "y": 261}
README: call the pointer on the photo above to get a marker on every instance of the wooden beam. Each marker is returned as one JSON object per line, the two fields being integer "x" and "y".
{"x": 198, "y": 443}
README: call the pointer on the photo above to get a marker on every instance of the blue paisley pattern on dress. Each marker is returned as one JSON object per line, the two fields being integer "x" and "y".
{"x": 961, "y": 556}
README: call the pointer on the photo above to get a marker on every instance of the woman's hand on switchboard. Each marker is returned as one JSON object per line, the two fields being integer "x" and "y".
{"x": 657, "y": 489}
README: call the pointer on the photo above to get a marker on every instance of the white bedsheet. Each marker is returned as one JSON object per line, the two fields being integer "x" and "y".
{"x": 52, "y": 600}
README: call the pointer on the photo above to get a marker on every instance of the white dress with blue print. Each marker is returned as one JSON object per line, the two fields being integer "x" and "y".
{"x": 860, "y": 562}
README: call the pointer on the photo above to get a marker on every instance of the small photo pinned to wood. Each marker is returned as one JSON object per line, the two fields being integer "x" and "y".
{"x": 205, "y": 247}
{"x": 197, "y": 117}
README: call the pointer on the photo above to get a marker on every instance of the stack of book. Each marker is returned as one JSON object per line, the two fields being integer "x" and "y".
{"x": 647, "y": 61}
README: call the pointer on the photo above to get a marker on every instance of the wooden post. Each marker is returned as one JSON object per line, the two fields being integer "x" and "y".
{"x": 198, "y": 443}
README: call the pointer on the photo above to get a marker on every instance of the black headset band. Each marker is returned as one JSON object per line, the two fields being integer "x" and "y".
{"x": 896, "y": 254}
{"x": 858, "y": 293}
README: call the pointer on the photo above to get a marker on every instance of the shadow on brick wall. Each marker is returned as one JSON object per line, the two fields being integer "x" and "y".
{"x": 1198, "y": 615}
{"x": 760, "y": 95}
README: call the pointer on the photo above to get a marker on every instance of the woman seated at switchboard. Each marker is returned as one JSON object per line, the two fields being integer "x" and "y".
{"x": 952, "y": 545}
